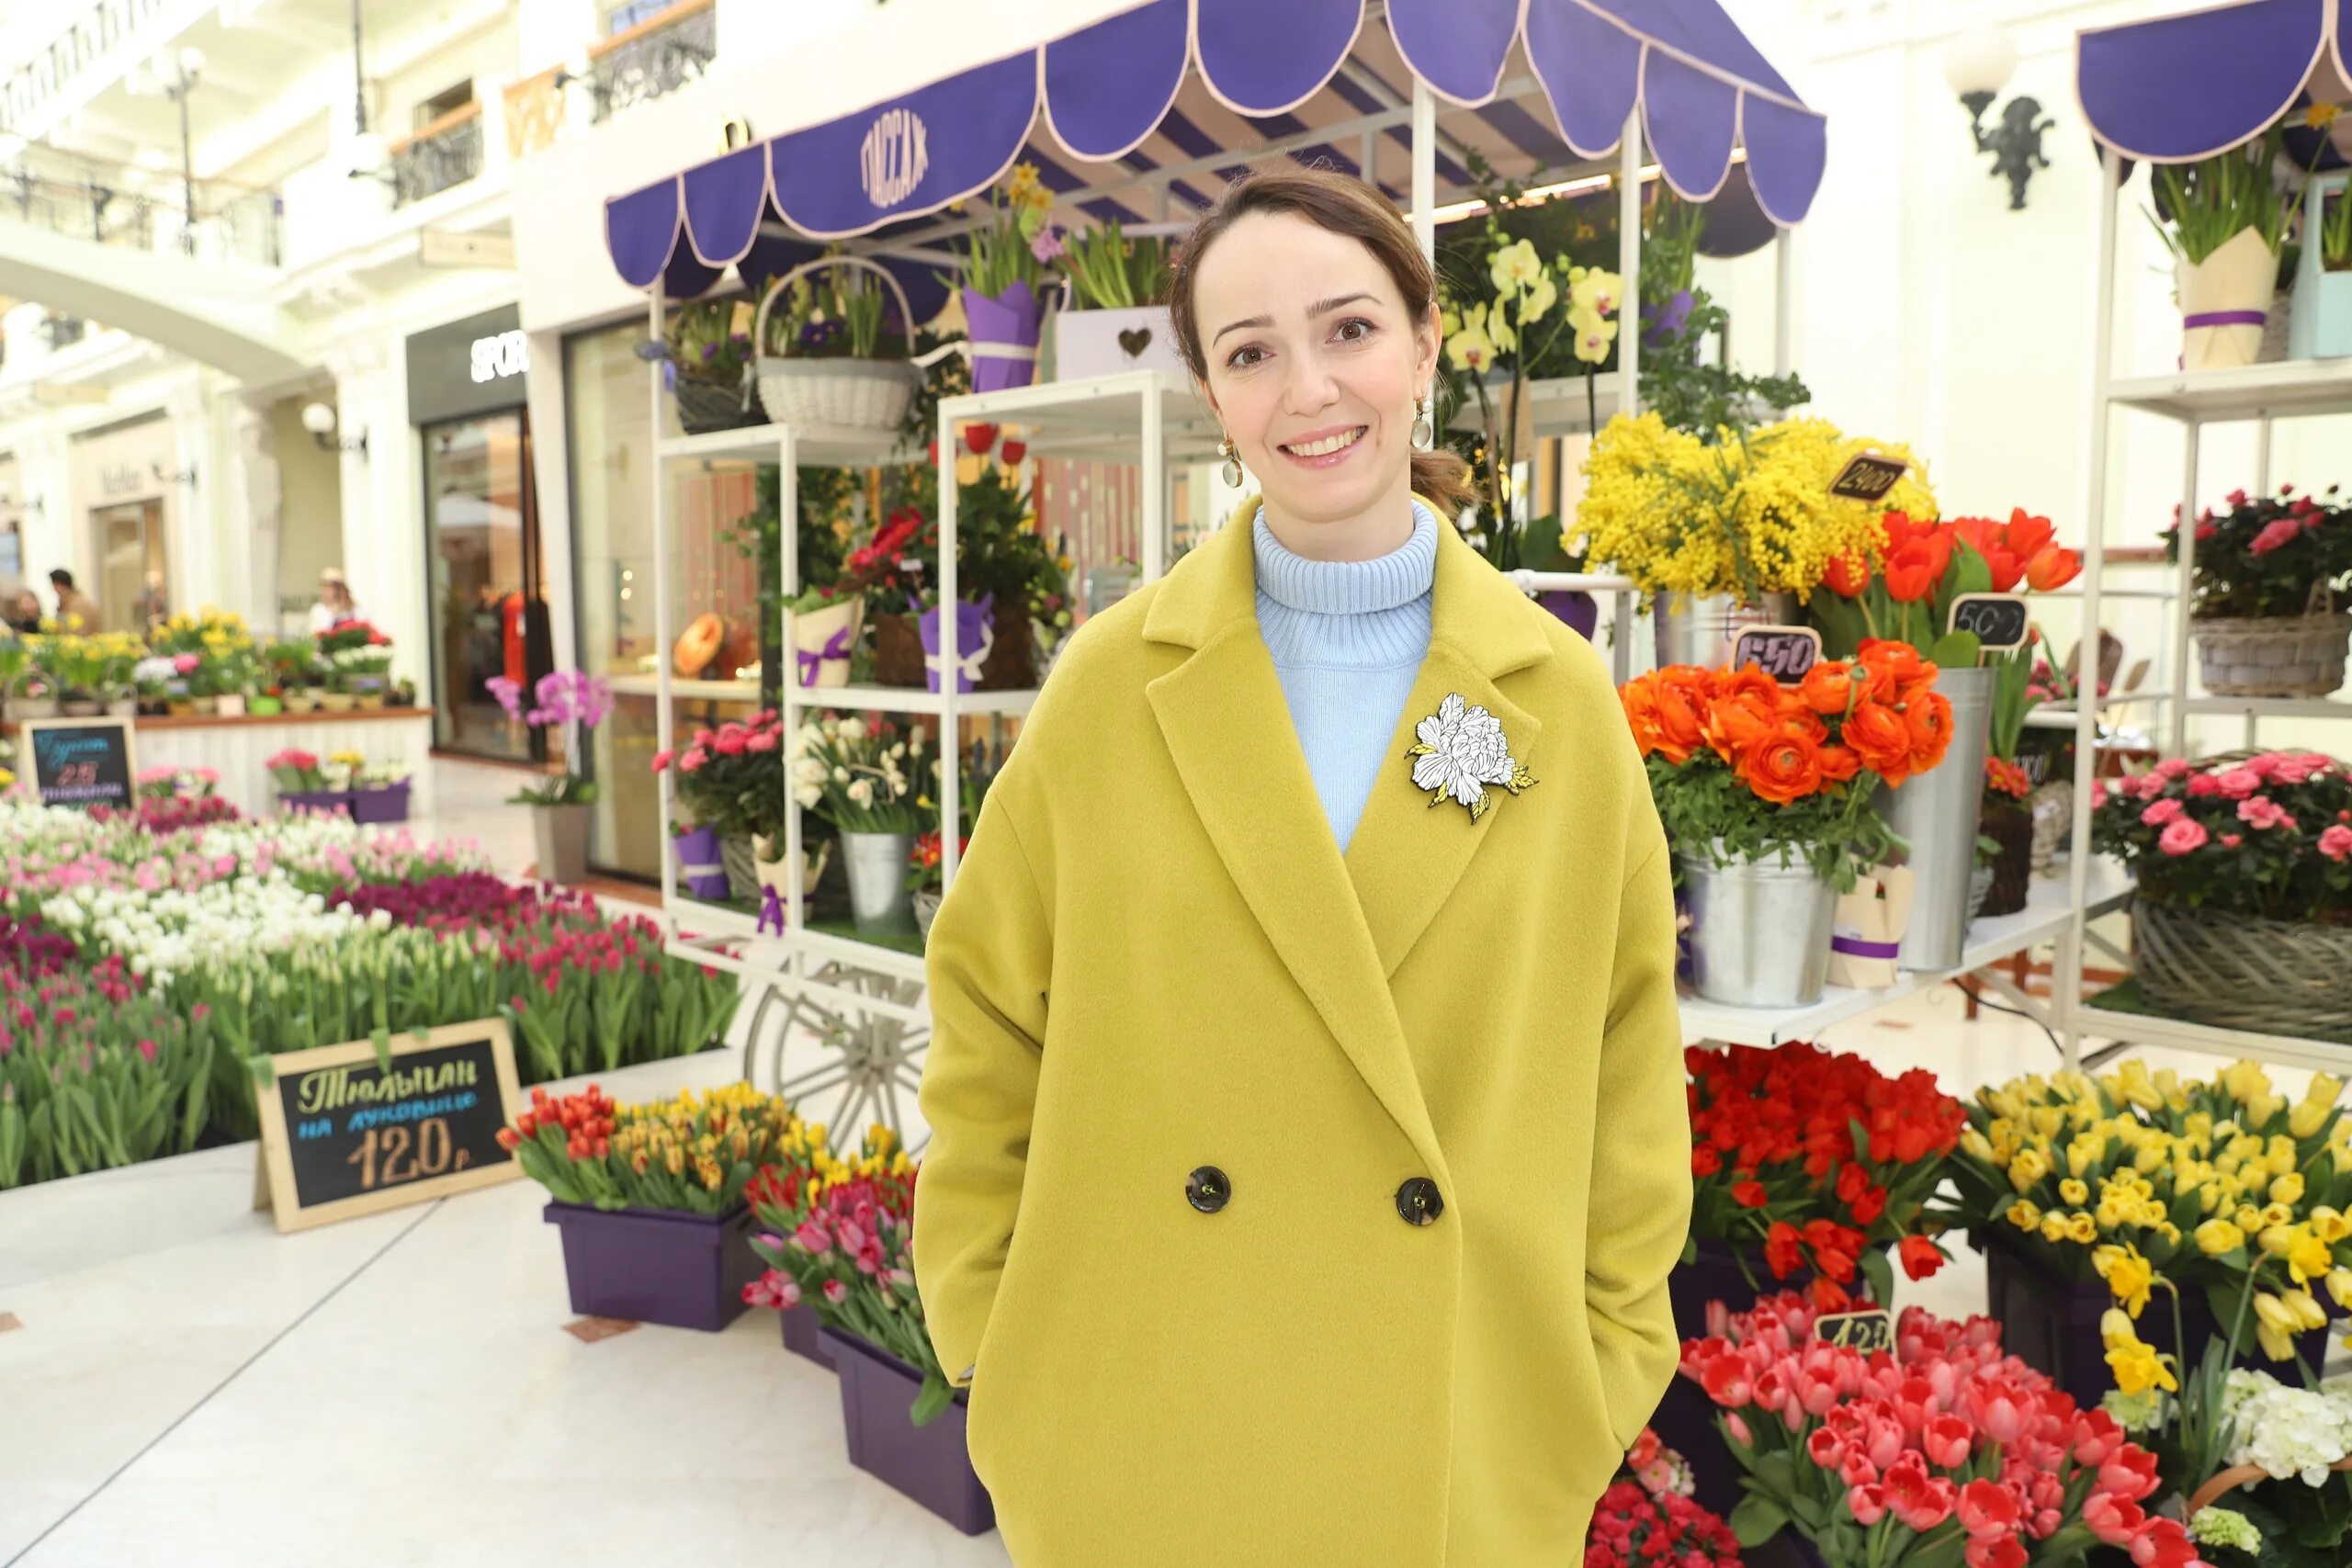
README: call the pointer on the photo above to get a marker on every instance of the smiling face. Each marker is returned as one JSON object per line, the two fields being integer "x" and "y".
{"x": 1313, "y": 365}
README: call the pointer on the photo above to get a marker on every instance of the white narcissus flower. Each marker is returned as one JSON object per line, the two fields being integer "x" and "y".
{"x": 862, "y": 792}
{"x": 806, "y": 796}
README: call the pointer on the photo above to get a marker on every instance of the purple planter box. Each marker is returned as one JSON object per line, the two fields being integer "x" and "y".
{"x": 322, "y": 802}
{"x": 804, "y": 1335}
{"x": 655, "y": 1266}
{"x": 700, "y": 848}
{"x": 973, "y": 619}
{"x": 389, "y": 804}
{"x": 1013, "y": 320}
{"x": 928, "y": 1463}
{"x": 2050, "y": 1323}
{"x": 1685, "y": 1421}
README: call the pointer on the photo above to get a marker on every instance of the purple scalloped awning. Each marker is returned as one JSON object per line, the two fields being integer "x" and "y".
{"x": 2188, "y": 86}
{"x": 1115, "y": 92}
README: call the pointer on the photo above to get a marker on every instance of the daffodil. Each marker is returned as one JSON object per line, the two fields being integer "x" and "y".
{"x": 2129, "y": 1276}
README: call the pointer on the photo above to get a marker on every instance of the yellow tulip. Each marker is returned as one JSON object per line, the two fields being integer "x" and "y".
{"x": 2025, "y": 1215}
{"x": 2308, "y": 1257}
{"x": 2311, "y": 1113}
{"x": 2027, "y": 1170}
{"x": 2215, "y": 1237}
{"x": 2308, "y": 1314}
{"x": 2275, "y": 1343}
{"x": 2082, "y": 1227}
{"x": 2275, "y": 1214}
{"x": 2053, "y": 1227}
{"x": 1977, "y": 1145}
{"x": 2047, "y": 1120}
{"x": 2074, "y": 1191}
{"x": 2329, "y": 1225}
{"x": 2339, "y": 1285}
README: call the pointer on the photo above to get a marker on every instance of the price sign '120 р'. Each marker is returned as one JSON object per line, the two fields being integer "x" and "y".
{"x": 350, "y": 1129}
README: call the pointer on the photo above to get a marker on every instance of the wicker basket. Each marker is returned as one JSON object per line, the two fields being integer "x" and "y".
{"x": 2239, "y": 972}
{"x": 706, "y": 403}
{"x": 898, "y": 652}
{"x": 2053, "y": 821}
{"x": 2273, "y": 656}
{"x": 867, "y": 394}
{"x": 2010, "y": 825}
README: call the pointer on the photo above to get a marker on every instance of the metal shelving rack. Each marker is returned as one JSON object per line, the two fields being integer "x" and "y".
{"x": 2257, "y": 393}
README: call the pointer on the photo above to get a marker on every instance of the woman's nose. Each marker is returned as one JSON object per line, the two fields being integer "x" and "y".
{"x": 1311, "y": 388}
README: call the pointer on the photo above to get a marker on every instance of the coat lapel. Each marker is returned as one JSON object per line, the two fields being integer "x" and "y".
{"x": 1407, "y": 855}
{"x": 1228, "y": 726}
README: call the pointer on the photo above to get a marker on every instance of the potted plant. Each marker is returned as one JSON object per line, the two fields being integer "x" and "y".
{"x": 822, "y": 359}
{"x": 1766, "y": 796}
{"x": 291, "y": 667}
{"x": 1003, "y": 282}
{"x": 839, "y": 1237}
{"x": 2242, "y": 916}
{"x": 17, "y": 674}
{"x": 890, "y": 570}
{"x": 1117, "y": 315}
{"x": 1006, "y": 570}
{"x": 706, "y": 367}
{"x": 1808, "y": 1168}
{"x": 302, "y": 783}
{"x": 2263, "y": 594}
{"x": 862, "y": 775}
{"x": 560, "y": 806}
{"x": 230, "y": 674}
{"x": 1733, "y": 534}
{"x": 648, "y": 1199}
{"x": 825, "y": 623}
{"x": 2071, "y": 1224}
{"x": 2224, "y": 219}
{"x": 361, "y": 659}
{"x": 731, "y": 781}
{"x": 1892, "y": 1470}
{"x": 926, "y": 875}
{"x": 2320, "y": 325}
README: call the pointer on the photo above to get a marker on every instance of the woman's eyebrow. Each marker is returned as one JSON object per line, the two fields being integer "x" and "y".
{"x": 1320, "y": 307}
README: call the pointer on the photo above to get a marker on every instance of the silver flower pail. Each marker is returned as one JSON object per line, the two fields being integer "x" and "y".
{"x": 1760, "y": 931}
{"x": 1935, "y": 813}
{"x": 1702, "y": 630}
{"x": 878, "y": 897}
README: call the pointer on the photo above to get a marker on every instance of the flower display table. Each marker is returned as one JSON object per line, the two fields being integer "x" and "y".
{"x": 237, "y": 747}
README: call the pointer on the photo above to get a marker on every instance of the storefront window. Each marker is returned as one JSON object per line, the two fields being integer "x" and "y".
{"x": 481, "y": 530}
{"x": 611, "y": 468}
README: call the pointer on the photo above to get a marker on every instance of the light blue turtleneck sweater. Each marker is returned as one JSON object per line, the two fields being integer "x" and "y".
{"x": 1347, "y": 638}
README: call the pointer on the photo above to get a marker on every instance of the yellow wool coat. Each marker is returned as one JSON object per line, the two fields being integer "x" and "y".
{"x": 1296, "y": 1209}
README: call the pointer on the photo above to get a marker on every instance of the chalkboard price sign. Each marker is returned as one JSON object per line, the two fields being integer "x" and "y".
{"x": 350, "y": 1129}
{"x": 1997, "y": 619}
{"x": 1784, "y": 653}
{"x": 82, "y": 762}
{"x": 1868, "y": 478}
{"x": 1863, "y": 1331}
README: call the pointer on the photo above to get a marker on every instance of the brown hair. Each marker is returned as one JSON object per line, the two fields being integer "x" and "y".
{"x": 1343, "y": 204}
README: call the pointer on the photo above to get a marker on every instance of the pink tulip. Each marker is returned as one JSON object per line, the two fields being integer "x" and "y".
{"x": 1867, "y": 1503}
{"x": 836, "y": 1291}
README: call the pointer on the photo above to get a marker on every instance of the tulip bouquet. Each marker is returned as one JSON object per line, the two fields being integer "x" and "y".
{"x": 1745, "y": 769}
{"x": 1747, "y": 515}
{"x": 1900, "y": 583}
{"x": 688, "y": 1155}
{"x": 730, "y": 778}
{"x": 1646, "y": 1517}
{"x": 2268, "y": 837}
{"x": 1819, "y": 1160}
{"x": 840, "y": 1235}
{"x": 1942, "y": 1453}
{"x": 2224, "y": 1188}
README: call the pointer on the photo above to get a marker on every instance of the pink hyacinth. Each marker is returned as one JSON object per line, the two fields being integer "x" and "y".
{"x": 2182, "y": 837}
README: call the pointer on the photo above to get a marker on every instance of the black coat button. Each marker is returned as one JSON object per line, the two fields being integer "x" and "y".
{"x": 1419, "y": 1202}
{"x": 1207, "y": 1190}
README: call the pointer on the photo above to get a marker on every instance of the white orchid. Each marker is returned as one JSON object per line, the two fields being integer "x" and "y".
{"x": 1459, "y": 751}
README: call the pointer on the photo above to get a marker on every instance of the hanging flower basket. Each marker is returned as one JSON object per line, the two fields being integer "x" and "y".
{"x": 2273, "y": 656}
{"x": 865, "y": 394}
{"x": 2242, "y": 972}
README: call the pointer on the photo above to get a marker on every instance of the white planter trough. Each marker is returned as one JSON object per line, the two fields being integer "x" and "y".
{"x": 1104, "y": 342}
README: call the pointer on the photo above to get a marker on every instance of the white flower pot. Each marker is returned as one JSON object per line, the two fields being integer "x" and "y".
{"x": 1104, "y": 342}
{"x": 823, "y": 641}
{"x": 230, "y": 706}
{"x": 2236, "y": 281}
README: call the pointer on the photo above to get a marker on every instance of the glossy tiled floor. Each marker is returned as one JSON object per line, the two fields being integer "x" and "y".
{"x": 187, "y": 1386}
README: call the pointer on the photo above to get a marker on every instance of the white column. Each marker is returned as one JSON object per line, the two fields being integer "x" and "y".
{"x": 551, "y": 480}
{"x": 253, "y": 505}
{"x": 196, "y": 554}
{"x": 383, "y": 522}
{"x": 45, "y": 495}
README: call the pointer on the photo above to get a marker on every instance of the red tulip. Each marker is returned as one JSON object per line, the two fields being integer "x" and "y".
{"x": 1014, "y": 451}
{"x": 1912, "y": 572}
{"x": 1848, "y": 575}
{"x": 979, "y": 438}
{"x": 2052, "y": 568}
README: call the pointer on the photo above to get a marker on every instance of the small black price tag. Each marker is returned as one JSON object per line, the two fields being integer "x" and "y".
{"x": 1868, "y": 478}
{"x": 1864, "y": 1331}
{"x": 1784, "y": 653}
{"x": 1997, "y": 619}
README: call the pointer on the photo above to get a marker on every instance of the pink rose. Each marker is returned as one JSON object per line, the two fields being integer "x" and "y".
{"x": 2263, "y": 765}
{"x": 2231, "y": 840}
{"x": 2336, "y": 843}
{"x": 2274, "y": 534}
{"x": 2239, "y": 782}
{"x": 693, "y": 758}
{"x": 2203, "y": 785}
{"x": 2161, "y": 812}
{"x": 2147, "y": 786}
{"x": 763, "y": 741}
{"x": 730, "y": 745}
{"x": 2182, "y": 837}
{"x": 2098, "y": 793}
{"x": 2291, "y": 771}
{"x": 2173, "y": 767}
{"x": 2260, "y": 812}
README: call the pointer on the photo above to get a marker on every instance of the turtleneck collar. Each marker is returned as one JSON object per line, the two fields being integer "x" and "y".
{"x": 1348, "y": 587}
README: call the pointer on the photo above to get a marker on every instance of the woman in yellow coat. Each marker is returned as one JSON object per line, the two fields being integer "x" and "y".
{"x": 1309, "y": 1142}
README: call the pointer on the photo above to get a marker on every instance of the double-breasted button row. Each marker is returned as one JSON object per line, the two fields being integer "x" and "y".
{"x": 1419, "y": 1202}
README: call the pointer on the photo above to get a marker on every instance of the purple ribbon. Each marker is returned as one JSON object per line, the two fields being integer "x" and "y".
{"x": 812, "y": 660}
{"x": 1860, "y": 947}
{"x": 771, "y": 909}
{"x": 2227, "y": 319}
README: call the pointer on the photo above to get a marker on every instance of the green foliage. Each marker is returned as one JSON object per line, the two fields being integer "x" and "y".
{"x": 1712, "y": 815}
{"x": 1108, "y": 269}
{"x": 2204, "y": 204}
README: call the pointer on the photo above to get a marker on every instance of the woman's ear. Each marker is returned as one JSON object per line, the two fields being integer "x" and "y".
{"x": 1428, "y": 336}
{"x": 1208, "y": 400}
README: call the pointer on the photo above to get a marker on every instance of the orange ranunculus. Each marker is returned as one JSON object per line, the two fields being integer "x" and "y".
{"x": 1828, "y": 686}
{"x": 1928, "y": 718}
{"x": 1744, "y": 704}
{"x": 1639, "y": 699}
{"x": 1681, "y": 699}
{"x": 1838, "y": 763}
{"x": 1848, "y": 575}
{"x": 1895, "y": 669}
{"x": 1881, "y": 739}
{"x": 1782, "y": 768}
{"x": 2052, "y": 568}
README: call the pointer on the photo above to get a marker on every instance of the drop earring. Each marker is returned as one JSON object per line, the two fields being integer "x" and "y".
{"x": 1423, "y": 433}
{"x": 1232, "y": 469}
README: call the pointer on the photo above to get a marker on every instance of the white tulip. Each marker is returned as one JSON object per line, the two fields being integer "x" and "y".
{"x": 808, "y": 797}
{"x": 840, "y": 775}
{"x": 853, "y": 728}
{"x": 862, "y": 792}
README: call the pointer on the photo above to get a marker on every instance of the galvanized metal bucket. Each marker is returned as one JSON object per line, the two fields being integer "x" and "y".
{"x": 879, "y": 900}
{"x": 1760, "y": 931}
{"x": 1702, "y": 630}
{"x": 1935, "y": 813}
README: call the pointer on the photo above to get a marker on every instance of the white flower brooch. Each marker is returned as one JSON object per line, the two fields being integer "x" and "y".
{"x": 1459, "y": 751}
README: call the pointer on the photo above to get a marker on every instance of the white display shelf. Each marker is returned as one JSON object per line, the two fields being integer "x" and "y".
{"x": 2055, "y": 716}
{"x": 1100, "y": 419}
{"x": 813, "y": 445}
{"x": 697, "y": 691}
{"x": 2275, "y": 707}
{"x": 2127, "y": 1029}
{"x": 905, "y": 699}
{"x": 695, "y": 927}
{"x": 2047, "y": 915}
{"x": 2289, "y": 386}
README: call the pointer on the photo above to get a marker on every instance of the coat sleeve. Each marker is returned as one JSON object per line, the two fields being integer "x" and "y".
{"x": 989, "y": 955}
{"x": 1640, "y": 1192}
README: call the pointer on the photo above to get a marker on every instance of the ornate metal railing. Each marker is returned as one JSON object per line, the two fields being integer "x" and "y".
{"x": 116, "y": 204}
{"x": 659, "y": 56}
{"x": 447, "y": 152}
{"x": 534, "y": 112}
{"x": 82, "y": 45}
